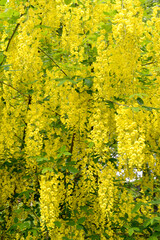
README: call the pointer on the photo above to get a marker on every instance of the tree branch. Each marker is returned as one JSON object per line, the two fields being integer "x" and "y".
{"x": 72, "y": 143}
{"x": 9, "y": 42}
{"x": 12, "y": 36}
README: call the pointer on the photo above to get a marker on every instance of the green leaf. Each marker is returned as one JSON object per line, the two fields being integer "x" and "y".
{"x": 6, "y": 67}
{"x": 26, "y": 193}
{"x": 107, "y": 27}
{"x": 95, "y": 237}
{"x": 15, "y": 220}
{"x": 58, "y": 224}
{"x": 110, "y": 103}
{"x": 25, "y": 225}
{"x": 157, "y": 218}
{"x": 30, "y": 91}
{"x": 51, "y": 159}
{"x": 154, "y": 220}
{"x": 41, "y": 159}
{"x": 72, "y": 169}
{"x": 3, "y": 2}
{"x": 137, "y": 207}
{"x": 1, "y": 56}
{"x": 106, "y": 235}
{"x": 61, "y": 82}
{"x": 84, "y": 208}
{"x": 67, "y": 1}
{"x": 91, "y": 144}
{"x": 30, "y": 82}
{"x": 140, "y": 101}
{"x": 67, "y": 153}
{"x": 6, "y": 14}
{"x": 18, "y": 211}
{"x": 59, "y": 155}
{"x": 152, "y": 238}
{"x": 135, "y": 109}
{"x": 62, "y": 149}
{"x": 157, "y": 229}
{"x": 63, "y": 168}
{"x": 88, "y": 82}
{"x": 34, "y": 231}
{"x": 47, "y": 169}
{"x": 156, "y": 234}
{"x": 111, "y": 13}
{"x": 130, "y": 231}
{"x": 66, "y": 238}
{"x": 81, "y": 220}
{"x": 140, "y": 95}
{"x": 155, "y": 202}
{"x": 70, "y": 223}
{"x": 46, "y": 98}
{"x": 147, "y": 223}
{"x": 79, "y": 227}
{"x": 12, "y": 228}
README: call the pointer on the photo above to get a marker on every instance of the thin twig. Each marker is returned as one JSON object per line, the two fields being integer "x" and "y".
{"x": 53, "y": 61}
{"x": 18, "y": 137}
{"x": 13, "y": 88}
{"x": 148, "y": 63}
{"x": 55, "y": 112}
{"x": 124, "y": 105}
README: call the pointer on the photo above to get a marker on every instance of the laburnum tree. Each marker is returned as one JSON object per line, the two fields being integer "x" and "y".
{"x": 80, "y": 119}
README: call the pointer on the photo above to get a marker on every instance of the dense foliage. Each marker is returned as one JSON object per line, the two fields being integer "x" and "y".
{"x": 80, "y": 119}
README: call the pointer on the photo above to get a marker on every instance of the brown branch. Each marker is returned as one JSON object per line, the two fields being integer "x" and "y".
{"x": 25, "y": 128}
{"x": 53, "y": 61}
{"x": 9, "y": 42}
{"x": 12, "y": 36}
{"x": 72, "y": 143}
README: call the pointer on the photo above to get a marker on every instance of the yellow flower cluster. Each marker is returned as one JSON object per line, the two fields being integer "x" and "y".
{"x": 106, "y": 192}
{"x": 80, "y": 99}
{"x": 131, "y": 139}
